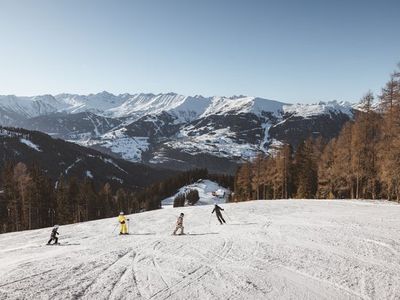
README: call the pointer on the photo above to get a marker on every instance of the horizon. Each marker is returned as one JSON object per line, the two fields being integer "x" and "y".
{"x": 298, "y": 52}
{"x": 178, "y": 94}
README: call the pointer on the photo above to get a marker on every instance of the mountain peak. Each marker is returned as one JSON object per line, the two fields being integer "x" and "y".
{"x": 137, "y": 105}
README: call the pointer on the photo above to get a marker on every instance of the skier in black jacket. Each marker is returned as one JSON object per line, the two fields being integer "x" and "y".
{"x": 217, "y": 210}
{"x": 53, "y": 236}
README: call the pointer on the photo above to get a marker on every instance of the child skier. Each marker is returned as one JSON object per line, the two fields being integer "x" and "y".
{"x": 179, "y": 224}
{"x": 122, "y": 220}
{"x": 217, "y": 210}
{"x": 53, "y": 236}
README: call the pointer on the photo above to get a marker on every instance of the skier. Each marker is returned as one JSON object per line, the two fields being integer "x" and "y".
{"x": 53, "y": 236}
{"x": 217, "y": 210}
{"x": 122, "y": 220}
{"x": 179, "y": 224}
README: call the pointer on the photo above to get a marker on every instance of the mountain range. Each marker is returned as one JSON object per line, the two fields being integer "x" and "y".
{"x": 175, "y": 131}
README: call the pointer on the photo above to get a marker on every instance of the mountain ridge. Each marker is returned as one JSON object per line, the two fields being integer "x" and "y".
{"x": 172, "y": 130}
{"x": 123, "y": 105}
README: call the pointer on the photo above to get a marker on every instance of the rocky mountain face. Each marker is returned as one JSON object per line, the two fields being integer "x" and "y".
{"x": 175, "y": 131}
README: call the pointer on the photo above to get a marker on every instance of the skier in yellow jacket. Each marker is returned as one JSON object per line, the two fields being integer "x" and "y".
{"x": 122, "y": 220}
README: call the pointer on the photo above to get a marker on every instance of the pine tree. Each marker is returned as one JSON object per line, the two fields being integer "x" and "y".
{"x": 365, "y": 136}
{"x": 389, "y": 150}
{"x": 192, "y": 196}
{"x": 306, "y": 170}
{"x": 88, "y": 201}
{"x": 343, "y": 178}
{"x": 122, "y": 201}
{"x": 179, "y": 200}
{"x": 106, "y": 202}
{"x": 283, "y": 171}
{"x": 9, "y": 194}
{"x": 64, "y": 213}
{"x": 256, "y": 175}
{"x": 23, "y": 201}
{"x": 326, "y": 178}
{"x": 243, "y": 190}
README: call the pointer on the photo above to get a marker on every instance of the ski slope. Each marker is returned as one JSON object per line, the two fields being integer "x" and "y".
{"x": 288, "y": 249}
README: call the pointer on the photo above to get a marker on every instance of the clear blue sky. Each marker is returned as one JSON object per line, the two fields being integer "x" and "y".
{"x": 295, "y": 51}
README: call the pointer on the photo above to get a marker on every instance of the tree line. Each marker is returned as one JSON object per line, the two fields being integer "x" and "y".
{"x": 29, "y": 199}
{"x": 362, "y": 162}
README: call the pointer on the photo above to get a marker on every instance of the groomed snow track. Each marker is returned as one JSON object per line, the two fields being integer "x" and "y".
{"x": 287, "y": 249}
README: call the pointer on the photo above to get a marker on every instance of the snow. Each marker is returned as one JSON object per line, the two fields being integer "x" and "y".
{"x": 77, "y": 161}
{"x": 242, "y": 104}
{"x": 30, "y": 106}
{"x": 205, "y": 188}
{"x": 190, "y": 109}
{"x": 266, "y": 140}
{"x": 110, "y": 161}
{"x": 321, "y": 108}
{"x": 129, "y": 148}
{"x": 219, "y": 142}
{"x": 289, "y": 249}
{"x": 184, "y": 108}
{"x": 9, "y": 134}
{"x": 89, "y": 174}
{"x": 30, "y": 144}
{"x": 116, "y": 179}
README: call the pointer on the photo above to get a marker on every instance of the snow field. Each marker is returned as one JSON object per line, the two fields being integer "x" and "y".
{"x": 288, "y": 249}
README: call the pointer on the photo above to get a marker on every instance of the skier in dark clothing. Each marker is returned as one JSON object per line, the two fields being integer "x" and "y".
{"x": 53, "y": 236}
{"x": 217, "y": 210}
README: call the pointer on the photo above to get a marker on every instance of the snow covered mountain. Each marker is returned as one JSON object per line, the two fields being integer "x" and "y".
{"x": 172, "y": 130}
{"x": 106, "y": 104}
{"x": 287, "y": 249}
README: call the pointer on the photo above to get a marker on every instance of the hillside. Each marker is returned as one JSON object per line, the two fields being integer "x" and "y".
{"x": 289, "y": 249}
{"x": 59, "y": 158}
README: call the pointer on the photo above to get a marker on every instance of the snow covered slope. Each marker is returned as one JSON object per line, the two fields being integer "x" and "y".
{"x": 289, "y": 249}
{"x": 206, "y": 188}
{"x": 321, "y": 108}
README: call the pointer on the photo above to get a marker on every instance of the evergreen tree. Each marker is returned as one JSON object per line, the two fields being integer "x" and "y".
{"x": 179, "y": 200}
{"x": 64, "y": 206}
{"x": 88, "y": 200}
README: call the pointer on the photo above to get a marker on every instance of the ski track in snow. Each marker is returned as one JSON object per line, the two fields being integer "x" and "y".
{"x": 287, "y": 249}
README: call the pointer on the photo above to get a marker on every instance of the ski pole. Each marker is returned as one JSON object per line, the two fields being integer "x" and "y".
{"x": 115, "y": 228}
{"x": 228, "y": 216}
